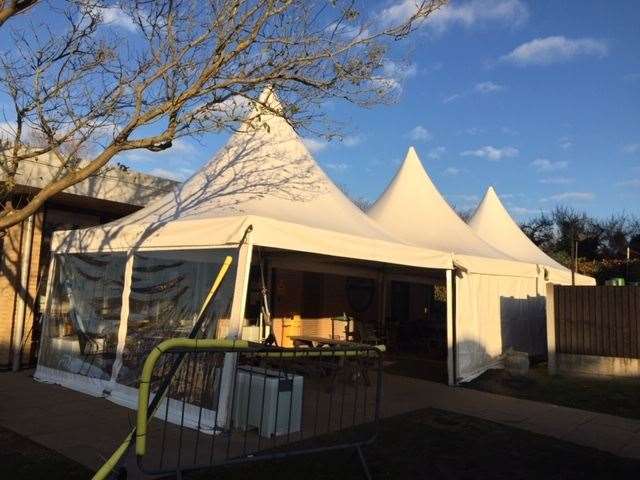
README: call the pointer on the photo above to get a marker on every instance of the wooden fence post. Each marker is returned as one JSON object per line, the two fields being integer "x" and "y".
{"x": 551, "y": 330}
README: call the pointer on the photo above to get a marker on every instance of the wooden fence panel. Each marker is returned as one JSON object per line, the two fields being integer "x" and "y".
{"x": 598, "y": 320}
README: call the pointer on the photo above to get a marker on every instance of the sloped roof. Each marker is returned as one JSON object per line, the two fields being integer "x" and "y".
{"x": 264, "y": 177}
{"x": 413, "y": 209}
{"x": 492, "y": 222}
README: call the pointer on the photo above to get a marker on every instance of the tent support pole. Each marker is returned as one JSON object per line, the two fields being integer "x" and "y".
{"x": 236, "y": 320}
{"x": 44, "y": 328}
{"x": 451, "y": 329}
{"x": 124, "y": 319}
{"x": 382, "y": 323}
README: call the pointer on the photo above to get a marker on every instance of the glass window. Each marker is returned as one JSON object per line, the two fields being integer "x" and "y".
{"x": 81, "y": 325}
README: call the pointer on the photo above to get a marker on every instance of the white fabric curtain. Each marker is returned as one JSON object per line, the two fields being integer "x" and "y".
{"x": 494, "y": 313}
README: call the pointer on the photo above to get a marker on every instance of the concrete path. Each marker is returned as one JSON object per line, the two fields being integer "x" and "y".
{"x": 88, "y": 429}
{"x": 617, "y": 435}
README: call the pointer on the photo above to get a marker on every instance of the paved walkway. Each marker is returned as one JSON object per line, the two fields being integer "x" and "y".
{"x": 88, "y": 429}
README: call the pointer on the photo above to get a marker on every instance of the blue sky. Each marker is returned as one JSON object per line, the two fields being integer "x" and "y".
{"x": 539, "y": 99}
{"x": 556, "y": 121}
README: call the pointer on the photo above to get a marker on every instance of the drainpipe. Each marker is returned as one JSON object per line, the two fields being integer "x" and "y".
{"x": 21, "y": 304}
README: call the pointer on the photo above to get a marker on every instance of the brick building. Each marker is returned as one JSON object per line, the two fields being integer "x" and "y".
{"x": 24, "y": 248}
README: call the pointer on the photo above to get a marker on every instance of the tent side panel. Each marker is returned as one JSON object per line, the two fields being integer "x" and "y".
{"x": 82, "y": 319}
{"x": 493, "y": 314}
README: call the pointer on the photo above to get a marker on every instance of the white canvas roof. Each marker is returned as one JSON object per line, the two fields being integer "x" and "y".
{"x": 413, "y": 209}
{"x": 264, "y": 177}
{"x": 492, "y": 222}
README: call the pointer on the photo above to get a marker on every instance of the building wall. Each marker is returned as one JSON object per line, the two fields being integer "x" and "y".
{"x": 9, "y": 272}
{"x": 106, "y": 196}
{"x": 52, "y": 217}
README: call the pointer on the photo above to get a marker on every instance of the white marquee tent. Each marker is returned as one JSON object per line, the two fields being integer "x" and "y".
{"x": 116, "y": 290}
{"x": 498, "y": 301}
{"x": 494, "y": 225}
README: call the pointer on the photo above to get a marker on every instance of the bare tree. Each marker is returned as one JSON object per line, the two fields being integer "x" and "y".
{"x": 10, "y": 8}
{"x": 87, "y": 91}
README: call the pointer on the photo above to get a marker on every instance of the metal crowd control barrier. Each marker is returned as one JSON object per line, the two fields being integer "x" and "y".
{"x": 222, "y": 402}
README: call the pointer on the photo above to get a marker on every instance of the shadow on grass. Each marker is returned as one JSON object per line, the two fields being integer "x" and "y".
{"x": 611, "y": 395}
{"x": 442, "y": 445}
{"x": 22, "y": 459}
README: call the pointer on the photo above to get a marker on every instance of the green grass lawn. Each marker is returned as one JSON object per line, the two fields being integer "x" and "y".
{"x": 22, "y": 459}
{"x": 441, "y": 445}
{"x": 426, "y": 443}
{"x": 615, "y": 396}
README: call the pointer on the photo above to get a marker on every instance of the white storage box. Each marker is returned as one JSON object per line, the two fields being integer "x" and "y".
{"x": 281, "y": 412}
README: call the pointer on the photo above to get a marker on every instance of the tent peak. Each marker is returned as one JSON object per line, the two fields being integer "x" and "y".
{"x": 270, "y": 99}
{"x": 492, "y": 197}
{"x": 493, "y": 223}
{"x": 492, "y": 194}
{"x": 412, "y": 164}
{"x": 412, "y": 156}
{"x": 268, "y": 105}
{"x": 413, "y": 209}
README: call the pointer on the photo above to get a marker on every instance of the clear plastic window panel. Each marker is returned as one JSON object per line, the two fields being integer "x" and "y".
{"x": 168, "y": 290}
{"x": 81, "y": 325}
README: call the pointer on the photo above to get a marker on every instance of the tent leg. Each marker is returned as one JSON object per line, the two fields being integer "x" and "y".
{"x": 382, "y": 321}
{"x": 451, "y": 340}
{"x": 236, "y": 321}
{"x": 124, "y": 318}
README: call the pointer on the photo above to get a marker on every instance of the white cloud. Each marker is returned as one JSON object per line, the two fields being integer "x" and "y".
{"x": 565, "y": 143}
{"x": 570, "y": 196}
{"x": 452, "y": 171}
{"x": 506, "y": 12}
{"x": 474, "y": 131}
{"x": 631, "y": 77}
{"x": 481, "y": 88}
{"x": 520, "y": 211}
{"x": 351, "y": 32}
{"x": 419, "y": 133}
{"x": 339, "y": 167}
{"x": 545, "y": 165}
{"x": 115, "y": 16}
{"x": 315, "y": 145}
{"x": 492, "y": 153}
{"x": 631, "y": 148}
{"x": 548, "y": 50}
{"x": 452, "y": 98}
{"x": 556, "y": 180}
{"x": 352, "y": 140}
{"x": 399, "y": 70}
{"x": 633, "y": 183}
{"x": 436, "y": 153}
{"x": 487, "y": 87}
{"x": 394, "y": 74}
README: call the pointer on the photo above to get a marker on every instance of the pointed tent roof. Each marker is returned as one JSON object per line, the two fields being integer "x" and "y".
{"x": 413, "y": 209}
{"x": 492, "y": 222}
{"x": 265, "y": 177}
